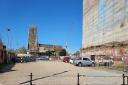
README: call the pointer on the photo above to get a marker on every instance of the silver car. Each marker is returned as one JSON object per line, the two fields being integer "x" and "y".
{"x": 84, "y": 62}
{"x": 73, "y": 59}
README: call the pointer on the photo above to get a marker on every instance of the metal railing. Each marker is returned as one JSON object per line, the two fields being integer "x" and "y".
{"x": 123, "y": 77}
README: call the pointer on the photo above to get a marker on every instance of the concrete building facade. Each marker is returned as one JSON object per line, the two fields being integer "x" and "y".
{"x": 105, "y": 28}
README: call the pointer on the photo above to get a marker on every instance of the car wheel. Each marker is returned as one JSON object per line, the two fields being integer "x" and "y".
{"x": 93, "y": 64}
{"x": 80, "y": 64}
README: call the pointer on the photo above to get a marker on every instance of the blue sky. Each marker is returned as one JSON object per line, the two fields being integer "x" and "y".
{"x": 58, "y": 22}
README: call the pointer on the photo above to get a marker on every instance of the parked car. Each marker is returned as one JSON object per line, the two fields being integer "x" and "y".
{"x": 33, "y": 58}
{"x": 42, "y": 58}
{"x": 84, "y": 62}
{"x": 73, "y": 59}
{"x": 28, "y": 59}
{"x": 66, "y": 59}
{"x": 13, "y": 59}
{"x": 17, "y": 59}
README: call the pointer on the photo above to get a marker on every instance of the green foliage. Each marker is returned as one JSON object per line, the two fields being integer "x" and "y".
{"x": 21, "y": 50}
{"x": 62, "y": 52}
{"x": 49, "y": 53}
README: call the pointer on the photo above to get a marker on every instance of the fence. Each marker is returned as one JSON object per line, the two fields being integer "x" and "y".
{"x": 124, "y": 79}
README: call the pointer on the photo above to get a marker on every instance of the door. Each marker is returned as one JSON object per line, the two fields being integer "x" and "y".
{"x": 93, "y": 57}
{"x": 86, "y": 61}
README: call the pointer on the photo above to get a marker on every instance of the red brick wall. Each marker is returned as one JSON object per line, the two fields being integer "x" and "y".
{"x": 3, "y": 55}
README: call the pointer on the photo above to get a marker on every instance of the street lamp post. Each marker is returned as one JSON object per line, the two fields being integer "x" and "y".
{"x": 8, "y": 43}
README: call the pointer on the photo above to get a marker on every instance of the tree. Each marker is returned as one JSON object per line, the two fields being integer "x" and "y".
{"x": 21, "y": 50}
{"x": 62, "y": 52}
{"x": 49, "y": 53}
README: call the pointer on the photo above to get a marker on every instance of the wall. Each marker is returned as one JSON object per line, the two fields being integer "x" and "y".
{"x": 104, "y": 23}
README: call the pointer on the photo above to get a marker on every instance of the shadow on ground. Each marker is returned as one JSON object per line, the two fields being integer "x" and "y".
{"x": 6, "y": 67}
{"x": 45, "y": 77}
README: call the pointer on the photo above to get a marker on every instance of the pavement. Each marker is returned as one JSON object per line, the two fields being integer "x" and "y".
{"x": 58, "y": 73}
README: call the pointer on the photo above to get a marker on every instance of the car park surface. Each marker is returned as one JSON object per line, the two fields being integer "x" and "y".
{"x": 58, "y": 73}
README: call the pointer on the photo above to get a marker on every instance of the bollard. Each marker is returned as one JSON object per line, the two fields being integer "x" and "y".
{"x": 127, "y": 80}
{"x": 123, "y": 79}
{"x": 30, "y": 78}
{"x": 78, "y": 82}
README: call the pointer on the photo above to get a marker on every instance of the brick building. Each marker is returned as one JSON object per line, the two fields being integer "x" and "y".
{"x": 3, "y": 54}
{"x": 32, "y": 40}
{"x": 36, "y": 48}
{"x": 45, "y": 47}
